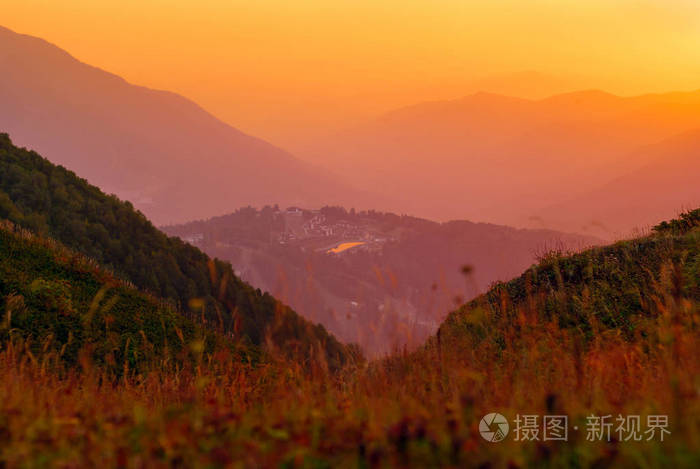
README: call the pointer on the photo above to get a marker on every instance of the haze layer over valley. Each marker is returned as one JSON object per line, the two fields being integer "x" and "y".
{"x": 377, "y": 279}
{"x": 535, "y": 163}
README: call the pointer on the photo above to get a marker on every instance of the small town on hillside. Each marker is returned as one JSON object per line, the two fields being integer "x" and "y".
{"x": 315, "y": 230}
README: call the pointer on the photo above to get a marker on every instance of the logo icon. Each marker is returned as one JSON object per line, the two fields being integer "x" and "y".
{"x": 494, "y": 427}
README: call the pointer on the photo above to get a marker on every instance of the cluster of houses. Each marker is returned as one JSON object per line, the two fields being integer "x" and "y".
{"x": 312, "y": 224}
{"x": 315, "y": 229}
{"x": 195, "y": 239}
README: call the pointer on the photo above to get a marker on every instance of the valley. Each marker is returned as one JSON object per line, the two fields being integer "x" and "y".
{"x": 377, "y": 279}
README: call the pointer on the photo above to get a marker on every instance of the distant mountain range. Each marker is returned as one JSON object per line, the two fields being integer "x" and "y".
{"x": 528, "y": 84}
{"x": 164, "y": 153}
{"x": 487, "y": 157}
{"x": 376, "y": 279}
{"x": 502, "y": 159}
{"x": 668, "y": 183}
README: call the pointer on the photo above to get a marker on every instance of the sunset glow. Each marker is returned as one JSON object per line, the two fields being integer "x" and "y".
{"x": 286, "y": 70}
{"x": 349, "y": 233}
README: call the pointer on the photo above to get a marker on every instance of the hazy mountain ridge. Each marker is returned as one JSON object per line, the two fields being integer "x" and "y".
{"x": 666, "y": 184}
{"x": 485, "y": 157}
{"x": 174, "y": 160}
{"x": 503, "y": 159}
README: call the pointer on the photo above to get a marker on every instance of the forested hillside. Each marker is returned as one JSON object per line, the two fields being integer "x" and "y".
{"x": 54, "y": 202}
{"x": 55, "y": 299}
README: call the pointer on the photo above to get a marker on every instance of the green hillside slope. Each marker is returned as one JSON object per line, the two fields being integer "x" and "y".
{"x": 613, "y": 331}
{"x": 617, "y": 286}
{"x": 54, "y": 202}
{"x": 54, "y": 298}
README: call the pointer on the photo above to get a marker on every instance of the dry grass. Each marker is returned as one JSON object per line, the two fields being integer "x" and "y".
{"x": 516, "y": 353}
{"x": 419, "y": 409}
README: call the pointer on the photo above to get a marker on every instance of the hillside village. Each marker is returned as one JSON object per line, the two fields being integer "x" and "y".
{"x": 320, "y": 230}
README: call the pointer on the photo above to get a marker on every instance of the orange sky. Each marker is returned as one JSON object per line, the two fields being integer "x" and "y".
{"x": 284, "y": 69}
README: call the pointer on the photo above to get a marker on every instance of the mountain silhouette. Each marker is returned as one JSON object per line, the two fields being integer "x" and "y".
{"x": 501, "y": 159}
{"x": 163, "y": 152}
{"x": 665, "y": 186}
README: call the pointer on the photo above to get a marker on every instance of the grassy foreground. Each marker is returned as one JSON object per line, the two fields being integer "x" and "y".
{"x": 613, "y": 330}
